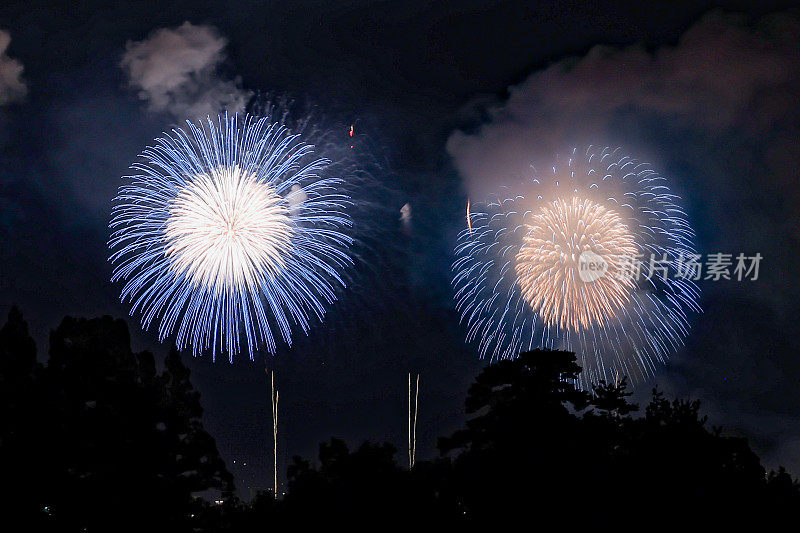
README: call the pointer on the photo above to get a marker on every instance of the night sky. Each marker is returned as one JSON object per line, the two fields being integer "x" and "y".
{"x": 451, "y": 92}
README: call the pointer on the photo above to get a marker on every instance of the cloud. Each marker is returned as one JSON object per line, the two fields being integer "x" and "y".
{"x": 176, "y": 70}
{"x": 717, "y": 113}
{"x": 12, "y": 88}
{"x": 725, "y": 73}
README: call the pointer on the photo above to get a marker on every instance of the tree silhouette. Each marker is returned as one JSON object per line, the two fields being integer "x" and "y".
{"x": 197, "y": 464}
{"x": 673, "y": 452}
{"x": 19, "y": 417}
{"x": 362, "y": 488}
{"x": 118, "y": 446}
{"x": 510, "y": 397}
{"x": 100, "y": 440}
{"x": 520, "y": 446}
{"x": 537, "y": 446}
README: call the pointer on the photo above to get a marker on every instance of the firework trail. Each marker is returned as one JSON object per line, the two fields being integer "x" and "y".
{"x": 521, "y": 279}
{"x": 274, "y": 397}
{"x": 413, "y": 413}
{"x": 232, "y": 232}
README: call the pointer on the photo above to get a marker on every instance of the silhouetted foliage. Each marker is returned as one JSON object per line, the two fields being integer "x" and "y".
{"x": 99, "y": 440}
{"x": 115, "y": 445}
{"x": 19, "y": 416}
{"x": 536, "y": 444}
{"x": 363, "y": 486}
{"x": 536, "y": 449}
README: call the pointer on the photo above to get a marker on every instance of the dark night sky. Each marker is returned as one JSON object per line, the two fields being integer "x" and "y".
{"x": 723, "y": 126}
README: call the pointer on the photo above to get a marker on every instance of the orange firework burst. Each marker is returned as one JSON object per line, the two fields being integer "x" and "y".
{"x": 568, "y": 262}
{"x": 564, "y": 266}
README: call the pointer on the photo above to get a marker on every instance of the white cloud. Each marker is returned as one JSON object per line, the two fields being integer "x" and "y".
{"x": 12, "y": 88}
{"x": 176, "y": 71}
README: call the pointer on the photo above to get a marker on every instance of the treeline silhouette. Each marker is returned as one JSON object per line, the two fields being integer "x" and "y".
{"x": 97, "y": 439}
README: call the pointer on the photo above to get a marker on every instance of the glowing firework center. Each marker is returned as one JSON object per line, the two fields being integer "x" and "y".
{"x": 228, "y": 229}
{"x": 562, "y": 266}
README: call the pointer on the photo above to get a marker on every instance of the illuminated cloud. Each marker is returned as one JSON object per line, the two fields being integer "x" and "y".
{"x": 724, "y": 74}
{"x": 12, "y": 87}
{"x": 176, "y": 70}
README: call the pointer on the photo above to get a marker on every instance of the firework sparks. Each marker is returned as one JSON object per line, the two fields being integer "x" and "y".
{"x": 469, "y": 215}
{"x": 519, "y": 274}
{"x": 230, "y": 229}
{"x": 549, "y": 261}
{"x": 226, "y": 228}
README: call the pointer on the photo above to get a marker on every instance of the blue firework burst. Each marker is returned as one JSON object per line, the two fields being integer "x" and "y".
{"x": 232, "y": 232}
